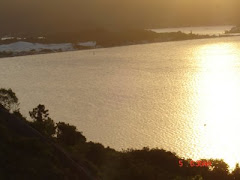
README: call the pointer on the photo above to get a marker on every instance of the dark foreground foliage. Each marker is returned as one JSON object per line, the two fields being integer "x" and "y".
{"x": 55, "y": 151}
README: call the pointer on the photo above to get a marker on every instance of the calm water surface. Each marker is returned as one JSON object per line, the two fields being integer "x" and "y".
{"x": 210, "y": 30}
{"x": 180, "y": 96}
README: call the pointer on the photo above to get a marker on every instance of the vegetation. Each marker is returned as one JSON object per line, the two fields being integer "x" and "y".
{"x": 9, "y": 100}
{"x": 42, "y": 122}
{"x": 59, "y": 151}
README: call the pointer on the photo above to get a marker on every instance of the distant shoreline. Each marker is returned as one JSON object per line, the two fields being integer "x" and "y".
{"x": 116, "y": 40}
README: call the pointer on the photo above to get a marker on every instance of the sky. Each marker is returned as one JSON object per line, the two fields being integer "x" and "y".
{"x": 74, "y": 15}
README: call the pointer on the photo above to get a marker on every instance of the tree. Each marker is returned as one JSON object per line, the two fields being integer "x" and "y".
{"x": 9, "y": 100}
{"x": 68, "y": 134}
{"x": 39, "y": 113}
{"x": 42, "y": 122}
{"x": 236, "y": 172}
{"x": 219, "y": 169}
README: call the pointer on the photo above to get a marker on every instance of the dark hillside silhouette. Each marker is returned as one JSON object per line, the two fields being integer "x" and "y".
{"x": 19, "y": 133}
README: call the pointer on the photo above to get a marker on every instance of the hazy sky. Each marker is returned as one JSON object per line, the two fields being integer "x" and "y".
{"x": 72, "y": 15}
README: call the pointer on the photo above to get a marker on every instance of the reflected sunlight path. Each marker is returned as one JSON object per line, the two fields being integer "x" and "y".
{"x": 218, "y": 100}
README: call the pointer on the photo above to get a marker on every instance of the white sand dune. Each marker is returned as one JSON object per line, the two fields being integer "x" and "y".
{"x": 88, "y": 44}
{"x": 27, "y": 46}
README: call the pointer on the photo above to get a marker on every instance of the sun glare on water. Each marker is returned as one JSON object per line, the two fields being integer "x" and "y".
{"x": 218, "y": 100}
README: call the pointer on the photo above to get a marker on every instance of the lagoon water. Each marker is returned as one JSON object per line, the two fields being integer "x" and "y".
{"x": 207, "y": 30}
{"x": 180, "y": 96}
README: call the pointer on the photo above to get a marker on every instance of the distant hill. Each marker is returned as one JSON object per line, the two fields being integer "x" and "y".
{"x": 28, "y": 44}
{"x": 234, "y": 30}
